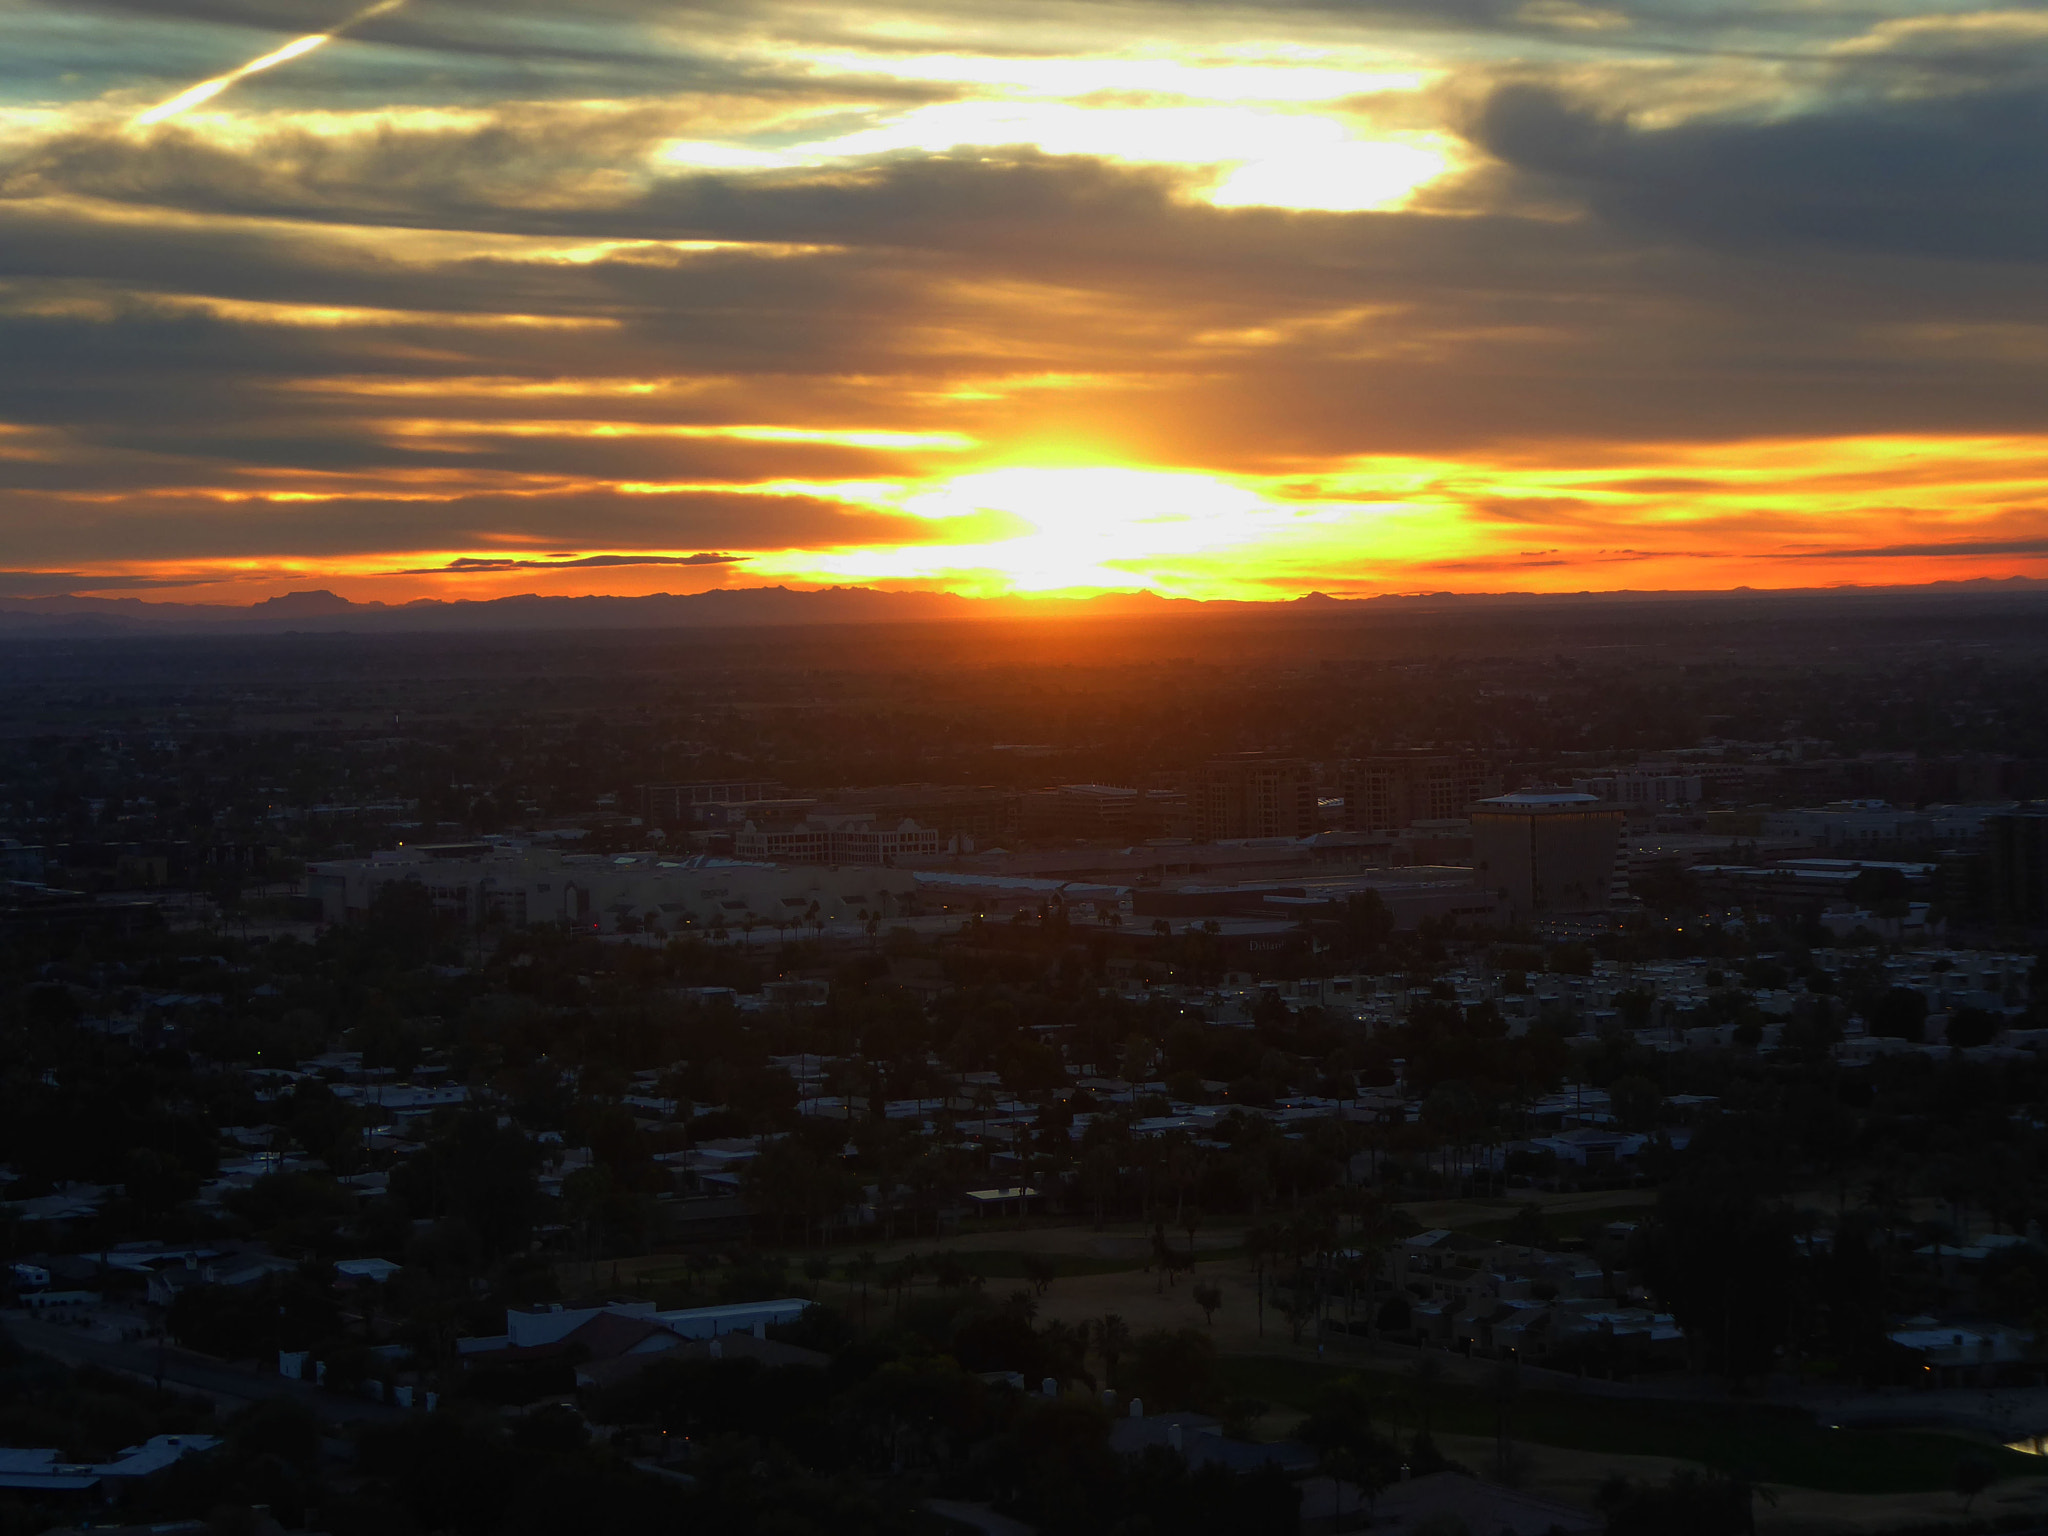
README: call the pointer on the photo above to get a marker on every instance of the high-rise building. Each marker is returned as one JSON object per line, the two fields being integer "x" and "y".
{"x": 2017, "y": 853}
{"x": 1396, "y": 790}
{"x": 1546, "y": 851}
{"x": 1254, "y": 795}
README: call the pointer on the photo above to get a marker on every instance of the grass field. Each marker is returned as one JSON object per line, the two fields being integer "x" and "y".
{"x": 1567, "y": 1223}
{"x": 1772, "y": 1445}
{"x": 1003, "y": 1264}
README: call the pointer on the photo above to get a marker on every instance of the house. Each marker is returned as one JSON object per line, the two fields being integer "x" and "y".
{"x": 1958, "y": 1355}
{"x": 360, "y": 1271}
{"x": 551, "y": 1331}
{"x": 1592, "y": 1146}
{"x": 771, "y": 1353}
{"x": 41, "y": 1471}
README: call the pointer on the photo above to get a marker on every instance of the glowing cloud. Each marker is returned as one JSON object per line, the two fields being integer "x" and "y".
{"x": 206, "y": 90}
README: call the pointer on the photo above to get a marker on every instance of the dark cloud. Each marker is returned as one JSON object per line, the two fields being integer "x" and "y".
{"x": 476, "y": 566}
{"x": 59, "y": 583}
{"x": 1958, "y": 548}
{"x": 1752, "y": 274}
{"x": 1956, "y": 176}
{"x": 149, "y": 526}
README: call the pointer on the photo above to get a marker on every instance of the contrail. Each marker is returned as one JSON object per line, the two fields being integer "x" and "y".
{"x": 206, "y": 90}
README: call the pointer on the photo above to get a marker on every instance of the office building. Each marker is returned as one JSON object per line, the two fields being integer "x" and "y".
{"x": 1102, "y": 813}
{"x": 1641, "y": 789}
{"x": 483, "y": 883}
{"x": 1396, "y": 790}
{"x": 826, "y": 839}
{"x": 2017, "y": 858}
{"x": 1254, "y": 795}
{"x": 1544, "y": 852}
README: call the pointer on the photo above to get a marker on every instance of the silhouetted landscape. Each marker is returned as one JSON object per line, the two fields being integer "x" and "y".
{"x": 1581, "y": 1057}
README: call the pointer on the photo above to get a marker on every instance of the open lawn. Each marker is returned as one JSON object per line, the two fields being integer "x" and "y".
{"x": 1103, "y": 1270}
{"x": 1773, "y": 1445}
{"x": 1781, "y": 1509}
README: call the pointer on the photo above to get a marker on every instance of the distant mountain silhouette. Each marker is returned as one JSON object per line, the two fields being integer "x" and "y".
{"x": 323, "y": 611}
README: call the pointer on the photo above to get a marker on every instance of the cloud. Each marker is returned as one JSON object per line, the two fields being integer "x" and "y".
{"x": 488, "y": 307}
{"x": 475, "y": 566}
{"x": 1942, "y": 550}
{"x": 1957, "y": 176}
{"x": 62, "y": 583}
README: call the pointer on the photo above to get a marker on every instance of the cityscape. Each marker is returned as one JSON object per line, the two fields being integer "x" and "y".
{"x": 1075, "y": 768}
{"x": 1326, "y": 1072}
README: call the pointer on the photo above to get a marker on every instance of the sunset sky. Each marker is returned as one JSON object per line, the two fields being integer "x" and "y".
{"x": 451, "y": 298}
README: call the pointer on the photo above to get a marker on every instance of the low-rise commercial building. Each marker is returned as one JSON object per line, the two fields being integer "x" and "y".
{"x": 482, "y": 883}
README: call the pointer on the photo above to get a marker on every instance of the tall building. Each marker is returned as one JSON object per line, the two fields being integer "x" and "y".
{"x": 1546, "y": 851}
{"x": 1643, "y": 788}
{"x": 1396, "y": 790}
{"x": 2017, "y": 849}
{"x": 1253, "y": 795}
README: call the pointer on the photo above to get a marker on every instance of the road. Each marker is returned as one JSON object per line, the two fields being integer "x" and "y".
{"x": 194, "y": 1373}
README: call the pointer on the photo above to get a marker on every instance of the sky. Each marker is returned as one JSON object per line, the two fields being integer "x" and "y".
{"x": 444, "y": 298}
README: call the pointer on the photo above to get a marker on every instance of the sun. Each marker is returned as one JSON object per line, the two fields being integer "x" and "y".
{"x": 1084, "y": 527}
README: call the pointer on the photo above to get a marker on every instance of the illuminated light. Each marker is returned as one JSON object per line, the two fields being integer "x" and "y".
{"x": 206, "y": 90}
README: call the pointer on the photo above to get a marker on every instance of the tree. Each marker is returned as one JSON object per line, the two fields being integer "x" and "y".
{"x": 1041, "y": 1270}
{"x": 1527, "y": 1228}
{"x": 1721, "y": 1260}
{"x": 1973, "y": 1475}
{"x": 862, "y": 1268}
{"x": 1173, "y": 1368}
{"x": 1425, "y": 1379}
{"x": 1505, "y": 1389}
{"x": 1112, "y": 1339}
{"x": 1899, "y": 1013}
{"x": 1691, "y": 1504}
{"x": 1208, "y": 1297}
{"x": 1260, "y": 1244}
{"x": 480, "y": 1178}
{"x": 1972, "y": 1026}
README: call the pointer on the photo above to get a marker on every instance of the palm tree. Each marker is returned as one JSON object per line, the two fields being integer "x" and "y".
{"x": 1260, "y": 1244}
{"x": 861, "y": 1267}
{"x": 1112, "y": 1338}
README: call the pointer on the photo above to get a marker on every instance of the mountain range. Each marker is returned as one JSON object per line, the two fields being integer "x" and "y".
{"x": 322, "y": 611}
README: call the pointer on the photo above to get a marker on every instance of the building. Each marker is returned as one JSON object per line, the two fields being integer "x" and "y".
{"x": 681, "y": 805}
{"x": 826, "y": 839}
{"x": 1643, "y": 789}
{"x": 481, "y": 883}
{"x": 2018, "y": 866}
{"x": 1546, "y": 851}
{"x": 1410, "y": 895}
{"x": 1101, "y": 813}
{"x": 1852, "y": 823}
{"x": 982, "y": 814}
{"x": 1387, "y": 793}
{"x": 1255, "y": 795}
